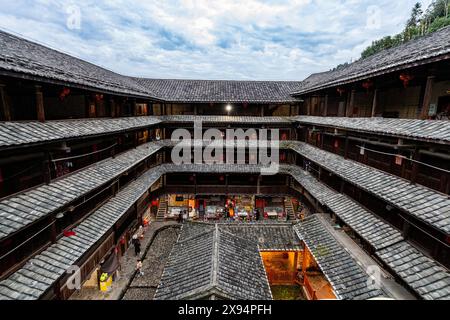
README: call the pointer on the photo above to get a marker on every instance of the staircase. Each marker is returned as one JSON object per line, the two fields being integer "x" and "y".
{"x": 289, "y": 207}
{"x": 162, "y": 209}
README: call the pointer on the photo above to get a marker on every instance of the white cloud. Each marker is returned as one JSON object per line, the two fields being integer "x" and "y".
{"x": 209, "y": 39}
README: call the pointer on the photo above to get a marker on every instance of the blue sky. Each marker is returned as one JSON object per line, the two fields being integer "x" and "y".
{"x": 208, "y": 39}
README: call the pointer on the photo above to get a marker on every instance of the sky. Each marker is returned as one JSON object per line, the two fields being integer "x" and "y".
{"x": 208, "y": 39}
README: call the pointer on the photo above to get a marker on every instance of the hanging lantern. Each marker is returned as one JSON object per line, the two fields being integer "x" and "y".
{"x": 406, "y": 78}
{"x": 340, "y": 91}
{"x": 362, "y": 151}
{"x": 98, "y": 97}
{"x": 69, "y": 233}
{"x": 222, "y": 178}
{"x": 368, "y": 84}
{"x": 336, "y": 144}
{"x": 245, "y": 105}
{"x": 64, "y": 93}
{"x": 399, "y": 160}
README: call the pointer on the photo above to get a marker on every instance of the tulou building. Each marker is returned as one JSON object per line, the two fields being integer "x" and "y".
{"x": 358, "y": 206}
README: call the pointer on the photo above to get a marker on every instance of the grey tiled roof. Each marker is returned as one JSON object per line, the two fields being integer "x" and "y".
{"x": 426, "y": 277}
{"x": 412, "y": 53}
{"x": 214, "y": 262}
{"x": 38, "y": 275}
{"x": 220, "y": 91}
{"x": 347, "y": 278}
{"x": 226, "y": 119}
{"x": 437, "y": 131}
{"x": 29, "y": 132}
{"x": 32, "y": 132}
{"x": 425, "y": 204}
{"x": 372, "y": 229}
{"x": 28, "y": 58}
{"x": 20, "y": 210}
{"x": 269, "y": 237}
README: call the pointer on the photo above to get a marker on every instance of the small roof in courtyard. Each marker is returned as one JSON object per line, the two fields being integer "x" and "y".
{"x": 213, "y": 264}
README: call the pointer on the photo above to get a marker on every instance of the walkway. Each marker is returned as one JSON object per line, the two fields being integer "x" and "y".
{"x": 128, "y": 265}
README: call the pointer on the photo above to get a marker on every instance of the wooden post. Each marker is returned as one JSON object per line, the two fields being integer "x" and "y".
{"x": 91, "y": 106}
{"x": 40, "y": 104}
{"x": 112, "y": 106}
{"x": 6, "y": 111}
{"x": 374, "y": 103}
{"x": 134, "y": 110}
{"x": 325, "y": 109}
{"x": 427, "y": 97}
{"x": 346, "y": 147}
{"x": 415, "y": 166}
{"x": 351, "y": 104}
{"x": 46, "y": 168}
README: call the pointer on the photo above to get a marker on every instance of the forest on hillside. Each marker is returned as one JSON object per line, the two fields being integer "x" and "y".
{"x": 420, "y": 23}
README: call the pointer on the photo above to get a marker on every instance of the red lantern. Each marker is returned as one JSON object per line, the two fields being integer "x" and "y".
{"x": 340, "y": 91}
{"x": 406, "y": 78}
{"x": 222, "y": 178}
{"x": 98, "y": 97}
{"x": 336, "y": 144}
{"x": 367, "y": 85}
{"x": 64, "y": 93}
{"x": 69, "y": 233}
{"x": 398, "y": 160}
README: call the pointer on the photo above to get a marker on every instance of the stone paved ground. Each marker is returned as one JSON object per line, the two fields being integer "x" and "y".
{"x": 128, "y": 265}
{"x": 144, "y": 287}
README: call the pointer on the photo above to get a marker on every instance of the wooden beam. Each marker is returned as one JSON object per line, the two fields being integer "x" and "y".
{"x": 374, "y": 103}
{"x": 40, "y": 104}
{"x": 427, "y": 97}
{"x": 5, "y": 109}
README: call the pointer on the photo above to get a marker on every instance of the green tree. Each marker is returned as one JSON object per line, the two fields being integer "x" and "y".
{"x": 420, "y": 23}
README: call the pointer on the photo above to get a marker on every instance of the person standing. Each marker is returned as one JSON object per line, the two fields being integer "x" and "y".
{"x": 139, "y": 268}
{"x": 137, "y": 246}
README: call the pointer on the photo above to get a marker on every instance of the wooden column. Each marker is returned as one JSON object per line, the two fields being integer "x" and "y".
{"x": 6, "y": 111}
{"x": 351, "y": 104}
{"x": 346, "y": 147}
{"x": 427, "y": 97}
{"x": 134, "y": 110}
{"x": 325, "y": 109}
{"x": 39, "y": 104}
{"x": 112, "y": 106}
{"x": 91, "y": 108}
{"x": 415, "y": 166}
{"x": 374, "y": 103}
